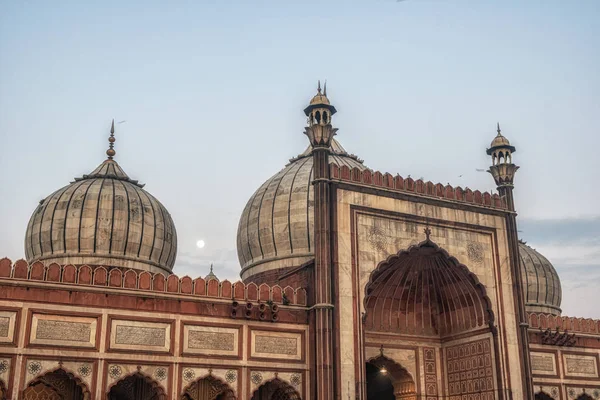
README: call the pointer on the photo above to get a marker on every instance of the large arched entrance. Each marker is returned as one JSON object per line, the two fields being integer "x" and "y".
{"x": 387, "y": 380}
{"x": 208, "y": 388}
{"x": 136, "y": 387}
{"x": 276, "y": 389}
{"x": 56, "y": 385}
{"x": 425, "y": 296}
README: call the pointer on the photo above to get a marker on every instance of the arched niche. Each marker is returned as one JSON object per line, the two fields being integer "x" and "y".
{"x": 388, "y": 380}
{"x": 424, "y": 291}
{"x": 208, "y": 388}
{"x": 276, "y": 389}
{"x": 136, "y": 386}
{"x": 57, "y": 384}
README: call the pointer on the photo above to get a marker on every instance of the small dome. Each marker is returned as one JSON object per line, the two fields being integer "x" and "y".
{"x": 276, "y": 227}
{"x": 319, "y": 99}
{"x": 499, "y": 140}
{"x": 540, "y": 281}
{"x": 104, "y": 218}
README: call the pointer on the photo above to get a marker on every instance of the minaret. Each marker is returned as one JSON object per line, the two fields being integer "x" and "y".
{"x": 503, "y": 170}
{"x": 320, "y": 133}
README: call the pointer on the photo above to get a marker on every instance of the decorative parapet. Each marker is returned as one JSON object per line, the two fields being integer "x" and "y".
{"x": 569, "y": 324}
{"x": 399, "y": 184}
{"x": 115, "y": 278}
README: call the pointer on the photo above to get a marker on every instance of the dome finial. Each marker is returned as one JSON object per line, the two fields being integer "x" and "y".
{"x": 111, "y": 140}
{"x": 319, "y": 86}
{"x": 498, "y": 130}
{"x": 325, "y": 89}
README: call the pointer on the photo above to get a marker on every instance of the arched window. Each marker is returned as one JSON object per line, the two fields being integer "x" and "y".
{"x": 137, "y": 387}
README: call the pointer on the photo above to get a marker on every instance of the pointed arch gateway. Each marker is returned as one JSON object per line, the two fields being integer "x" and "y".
{"x": 388, "y": 380}
{"x": 276, "y": 389}
{"x": 426, "y": 292}
{"x": 208, "y": 388}
{"x": 136, "y": 386}
{"x": 57, "y": 384}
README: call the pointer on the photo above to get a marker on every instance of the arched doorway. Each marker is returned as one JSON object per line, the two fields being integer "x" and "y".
{"x": 427, "y": 297}
{"x": 276, "y": 389}
{"x": 208, "y": 388}
{"x": 56, "y": 385}
{"x": 136, "y": 387}
{"x": 387, "y": 380}
{"x": 543, "y": 396}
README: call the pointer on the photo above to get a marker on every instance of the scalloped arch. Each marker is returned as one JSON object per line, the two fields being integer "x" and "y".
{"x": 156, "y": 387}
{"x": 425, "y": 291}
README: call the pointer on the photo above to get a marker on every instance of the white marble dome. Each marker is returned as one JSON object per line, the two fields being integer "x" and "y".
{"x": 104, "y": 218}
{"x": 276, "y": 227}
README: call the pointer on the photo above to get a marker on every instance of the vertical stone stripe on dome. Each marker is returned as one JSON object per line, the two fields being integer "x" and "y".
{"x": 45, "y": 235}
{"x": 265, "y": 216}
{"x": 104, "y": 212}
{"x": 89, "y": 214}
{"x": 159, "y": 245}
{"x": 121, "y": 219}
{"x": 62, "y": 218}
{"x": 149, "y": 219}
{"x": 289, "y": 201}
{"x": 254, "y": 237}
{"x": 74, "y": 233}
{"x": 553, "y": 296}
{"x": 34, "y": 226}
{"x": 280, "y": 210}
{"x": 297, "y": 209}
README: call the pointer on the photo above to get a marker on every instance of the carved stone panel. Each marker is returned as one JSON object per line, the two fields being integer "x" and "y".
{"x": 269, "y": 344}
{"x": 140, "y": 335}
{"x": 7, "y": 326}
{"x": 63, "y": 330}
{"x": 543, "y": 363}
{"x": 577, "y": 365}
{"x": 210, "y": 340}
{"x": 469, "y": 369}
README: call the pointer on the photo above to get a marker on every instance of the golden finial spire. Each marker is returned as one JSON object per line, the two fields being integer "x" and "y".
{"x": 111, "y": 140}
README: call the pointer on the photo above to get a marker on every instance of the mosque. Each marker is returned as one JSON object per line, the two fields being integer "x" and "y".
{"x": 355, "y": 284}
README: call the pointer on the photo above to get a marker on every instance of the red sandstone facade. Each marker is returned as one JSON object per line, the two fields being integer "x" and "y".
{"x": 378, "y": 287}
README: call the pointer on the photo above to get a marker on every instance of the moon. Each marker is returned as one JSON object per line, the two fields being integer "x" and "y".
{"x": 200, "y": 244}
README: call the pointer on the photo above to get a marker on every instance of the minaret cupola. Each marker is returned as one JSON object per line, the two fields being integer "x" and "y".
{"x": 502, "y": 169}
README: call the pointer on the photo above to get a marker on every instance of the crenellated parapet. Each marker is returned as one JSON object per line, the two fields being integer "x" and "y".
{"x": 399, "y": 184}
{"x": 570, "y": 324}
{"x": 116, "y": 278}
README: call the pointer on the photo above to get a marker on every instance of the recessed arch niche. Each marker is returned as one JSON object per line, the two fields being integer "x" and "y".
{"x": 136, "y": 386}
{"x": 276, "y": 389}
{"x": 388, "y": 380}
{"x": 208, "y": 388}
{"x": 57, "y": 384}
{"x": 423, "y": 291}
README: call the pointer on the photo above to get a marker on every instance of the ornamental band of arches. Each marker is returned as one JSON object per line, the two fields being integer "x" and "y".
{"x": 60, "y": 384}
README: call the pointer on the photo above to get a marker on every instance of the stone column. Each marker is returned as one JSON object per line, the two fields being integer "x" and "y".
{"x": 323, "y": 285}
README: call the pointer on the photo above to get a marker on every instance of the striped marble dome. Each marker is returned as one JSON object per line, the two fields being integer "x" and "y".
{"x": 540, "y": 281}
{"x": 276, "y": 227}
{"x": 104, "y": 218}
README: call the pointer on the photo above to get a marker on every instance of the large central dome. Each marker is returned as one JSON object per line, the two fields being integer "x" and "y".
{"x": 103, "y": 218}
{"x": 276, "y": 228}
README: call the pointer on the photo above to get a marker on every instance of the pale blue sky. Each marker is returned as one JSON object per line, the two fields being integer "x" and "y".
{"x": 213, "y": 93}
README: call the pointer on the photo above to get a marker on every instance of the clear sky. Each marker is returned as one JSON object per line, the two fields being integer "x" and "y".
{"x": 212, "y": 94}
